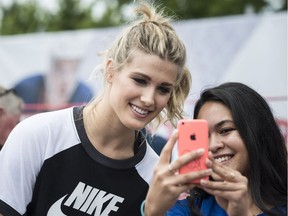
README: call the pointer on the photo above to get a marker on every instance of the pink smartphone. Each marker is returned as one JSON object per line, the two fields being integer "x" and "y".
{"x": 192, "y": 135}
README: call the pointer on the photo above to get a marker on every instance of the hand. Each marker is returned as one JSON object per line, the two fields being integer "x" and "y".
{"x": 231, "y": 193}
{"x": 167, "y": 184}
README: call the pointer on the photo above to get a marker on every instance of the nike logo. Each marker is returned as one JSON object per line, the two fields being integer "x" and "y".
{"x": 55, "y": 209}
{"x": 87, "y": 199}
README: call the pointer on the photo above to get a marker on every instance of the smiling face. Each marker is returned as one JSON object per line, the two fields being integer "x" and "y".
{"x": 225, "y": 142}
{"x": 141, "y": 89}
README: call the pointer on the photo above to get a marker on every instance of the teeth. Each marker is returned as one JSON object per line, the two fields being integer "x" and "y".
{"x": 222, "y": 159}
{"x": 138, "y": 110}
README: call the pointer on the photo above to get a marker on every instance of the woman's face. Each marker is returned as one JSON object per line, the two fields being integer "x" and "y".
{"x": 141, "y": 89}
{"x": 225, "y": 142}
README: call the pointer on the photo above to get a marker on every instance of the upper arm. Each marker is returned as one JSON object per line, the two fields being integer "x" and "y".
{"x": 20, "y": 161}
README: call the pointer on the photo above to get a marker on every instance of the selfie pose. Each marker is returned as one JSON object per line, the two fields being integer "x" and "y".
{"x": 247, "y": 164}
{"x": 94, "y": 160}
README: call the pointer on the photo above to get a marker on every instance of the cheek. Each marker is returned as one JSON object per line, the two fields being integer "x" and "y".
{"x": 242, "y": 154}
{"x": 162, "y": 101}
{"x": 123, "y": 90}
{"x": 121, "y": 83}
{"x": 238, "y": 144}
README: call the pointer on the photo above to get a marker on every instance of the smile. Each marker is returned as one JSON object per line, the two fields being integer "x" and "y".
{"x": 139, "y": 110}
{"x": 223, "y": 159}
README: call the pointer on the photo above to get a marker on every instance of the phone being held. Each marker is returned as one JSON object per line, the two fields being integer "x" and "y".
{"x": 193, "y": 134}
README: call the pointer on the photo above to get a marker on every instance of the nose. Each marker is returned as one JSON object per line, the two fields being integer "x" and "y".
{"x": 215, "y": 143}
{"x": 148, "y": 97}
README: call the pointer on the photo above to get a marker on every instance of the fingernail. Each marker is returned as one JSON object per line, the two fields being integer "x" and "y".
{"x": 209, "y": 163}
{"x": 203, "y": 182}
{"x": 200, "y": 151}
{"x": 208, "y": 171}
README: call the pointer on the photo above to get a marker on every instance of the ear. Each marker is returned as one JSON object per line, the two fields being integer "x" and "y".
{"x": 109, "y": 71}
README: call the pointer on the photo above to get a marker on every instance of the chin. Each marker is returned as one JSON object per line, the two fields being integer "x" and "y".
{"x": 136, "y": 126}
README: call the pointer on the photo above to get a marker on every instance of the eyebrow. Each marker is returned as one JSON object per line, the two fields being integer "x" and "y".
{"x": 219, "y": 124}
{"x": 149, "y": 78}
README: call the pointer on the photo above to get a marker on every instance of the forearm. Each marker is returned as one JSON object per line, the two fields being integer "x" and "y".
{"x": 149, "y": 209}
{"x": 153, "y": 212}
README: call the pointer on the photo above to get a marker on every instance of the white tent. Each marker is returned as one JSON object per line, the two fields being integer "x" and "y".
{"x": 262, "y": 62}
{"x": 251, "y": 49}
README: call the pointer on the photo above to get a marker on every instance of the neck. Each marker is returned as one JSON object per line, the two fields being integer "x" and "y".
{"x": 109, "y": 138}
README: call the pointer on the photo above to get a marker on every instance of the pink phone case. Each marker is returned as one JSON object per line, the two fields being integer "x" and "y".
{"x": 193, "y": 134}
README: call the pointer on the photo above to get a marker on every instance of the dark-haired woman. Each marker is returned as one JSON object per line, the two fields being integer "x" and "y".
{"x": 248, "y": 161}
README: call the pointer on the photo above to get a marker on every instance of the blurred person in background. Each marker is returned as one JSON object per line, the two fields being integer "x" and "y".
{"x": 57, "y": 88}
{"x": 11, "y": 107}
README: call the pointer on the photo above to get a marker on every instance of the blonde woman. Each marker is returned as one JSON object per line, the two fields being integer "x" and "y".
{"x": 93, "y": 160}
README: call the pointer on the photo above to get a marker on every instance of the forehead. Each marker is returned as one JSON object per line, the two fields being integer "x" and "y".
{"x": 152, "y": 66}
{"x": 214, "y": 112}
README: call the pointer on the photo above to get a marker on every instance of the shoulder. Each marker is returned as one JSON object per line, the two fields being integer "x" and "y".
{"x": 209, "y": 206}
{"x": 181, "y": 207}
{"x": 43, "y": 135}
{"x": 43, "y": 128}
{"x": 30, "y": 85}
{"x": 82, "y": 93}
{"x": 52, "y": 118}
{"x": 31, "y": 79}
{"x": 148, "y": 162}
{"x": 83, "y": 88}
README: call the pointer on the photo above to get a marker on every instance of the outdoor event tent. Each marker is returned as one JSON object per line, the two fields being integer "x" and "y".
{"x": 247, "y": 48}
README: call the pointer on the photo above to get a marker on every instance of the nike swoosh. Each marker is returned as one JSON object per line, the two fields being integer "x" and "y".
{"x": 55, "y": 209}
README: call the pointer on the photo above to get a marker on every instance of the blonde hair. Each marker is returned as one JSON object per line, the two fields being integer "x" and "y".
{"x": 10, "y": 102}
{"x": 151, "y": 32}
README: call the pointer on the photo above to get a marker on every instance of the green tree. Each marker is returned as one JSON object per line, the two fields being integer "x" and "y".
{"x": 70, "y": 16}
{"x": 19, "y": 18}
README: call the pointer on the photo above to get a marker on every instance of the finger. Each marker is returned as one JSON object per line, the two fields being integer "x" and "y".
{"x": 227, "y": 190}
{"x": 225, "y": 172}
{"x": 183, "y": 182}
{"x": 209, "y": 162}
{"x": 171, "y": 169}
{"x": 166, "y": 152}
{"x": 191, "y": 176}
{"x": 221, "y": 186}
{"x": 188, "y": 157}
{"x": 210, "y": 156}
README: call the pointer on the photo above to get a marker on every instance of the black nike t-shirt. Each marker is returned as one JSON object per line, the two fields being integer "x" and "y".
{"x": 49, "y": 167}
